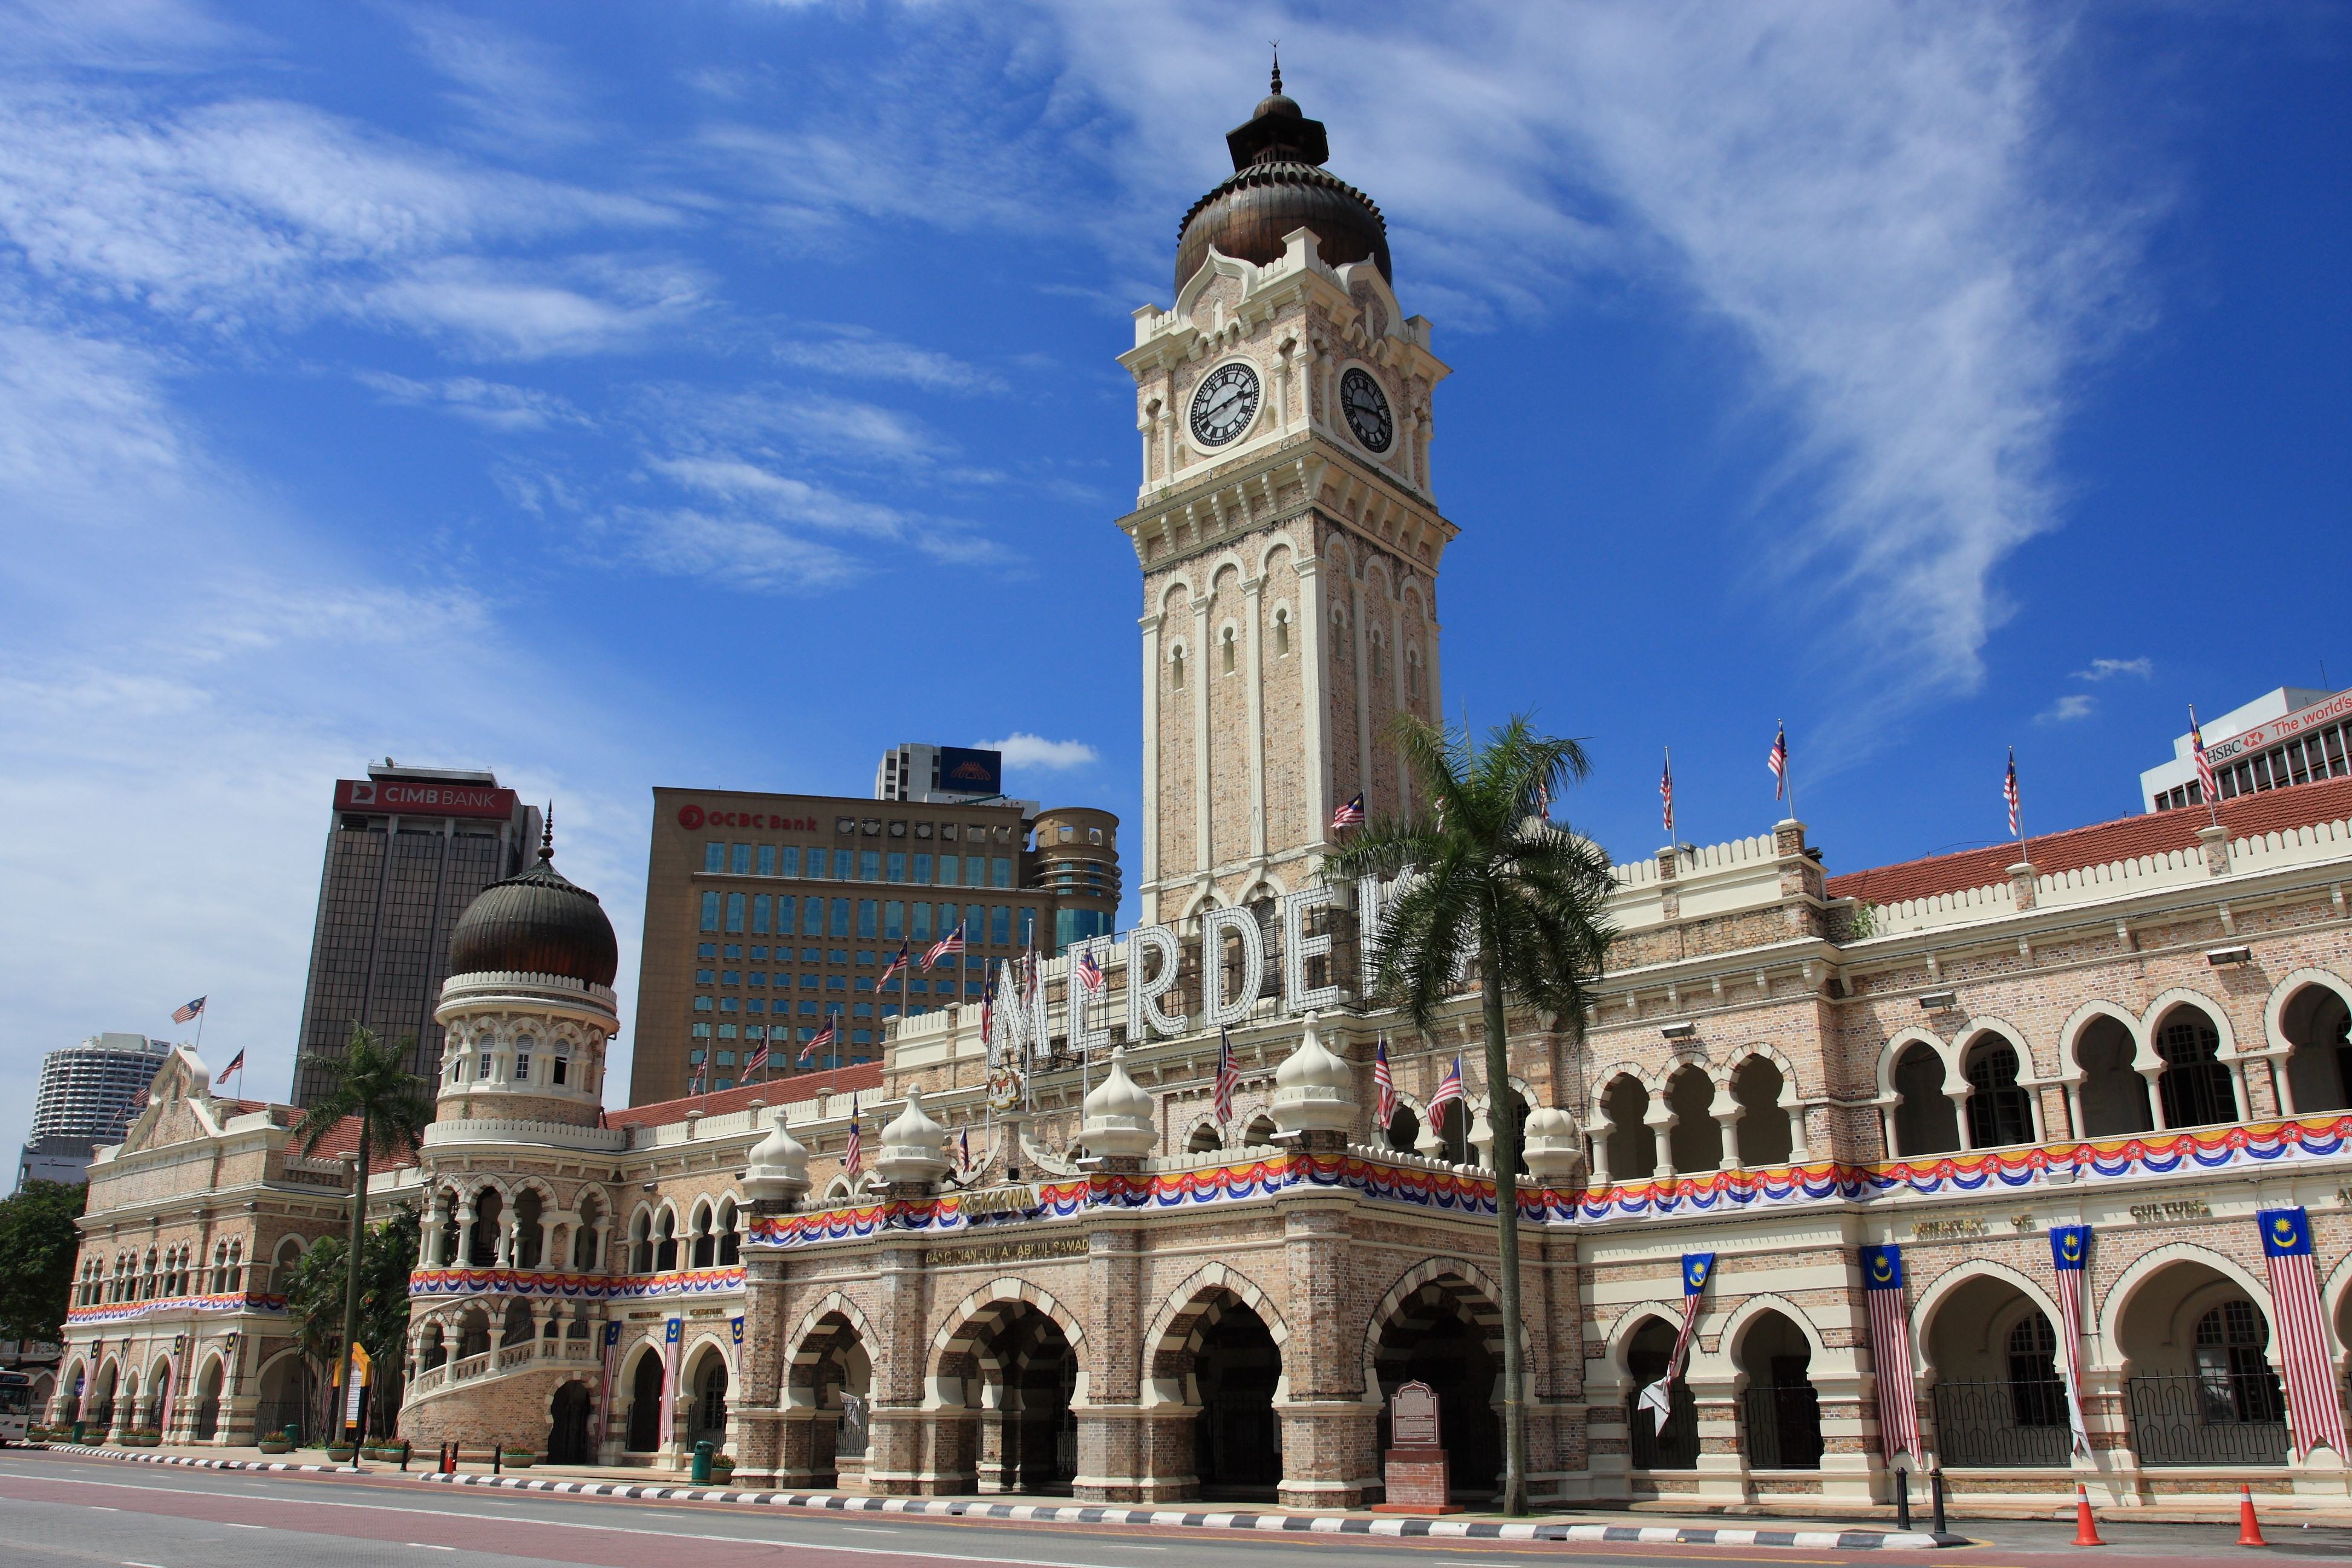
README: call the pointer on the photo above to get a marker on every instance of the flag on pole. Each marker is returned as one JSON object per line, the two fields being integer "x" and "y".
{"x": 673, "y": 1330}
{"x": 952, "y": 943}
{"x": 898, "y": 965}
{"x": 2070, "y": 1250}
{"x": 853, "y": 1158}
{"x": 1890, "y": 1350}
{"x": 2196, "y": 748}
{"x": 964, "y": 1150}
{"x": 1543, "y": 799}
{"x": 987, "y": 1007}
{"x": 1229, "y": 1078}
{"x": 612, "y": 1374}
{"x": 1384, "y": 1106}
{"x": 758, "y": 1058}
{"x": 2315, "y": 1413}
{"x": 1778, "y": 763}
{"x": 699, "y": 1081}
{"x": 1351, "y": 814}
{"x": 1658, "y": 1398}
{"x": 188, "y": 1012}
{"x": 1449, "y": 1092}
{"x": 822, "y": 1038}
{"x": 1666, "y": 794}
{"x": 236, "y": 1064}
{"x": 1089, "y": 972}
{"x": 2008, "y": 792}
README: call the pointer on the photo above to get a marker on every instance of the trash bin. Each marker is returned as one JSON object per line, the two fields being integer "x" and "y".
{"x": 702, "y": 1463}
{"x": 81, "y": 1431}
{"x": 293, "y": 1436}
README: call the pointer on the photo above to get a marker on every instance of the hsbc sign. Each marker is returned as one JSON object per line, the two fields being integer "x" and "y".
{"x": 693, "y": 816}
{"x": 403, "y": 796}
{"x": 2263, "y": 736}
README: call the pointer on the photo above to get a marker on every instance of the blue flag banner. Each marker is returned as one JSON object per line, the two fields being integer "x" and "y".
{"x": 1697, "y": 1268}
{"x": 737, "y": 1324}
{"x": 2287, "y": 1233}
{"x": 2070, "y": 1247}
{"x": 1882, "y": 1268}
{"x": 671, "y": 1330}
{"x": 612, "y": 1334}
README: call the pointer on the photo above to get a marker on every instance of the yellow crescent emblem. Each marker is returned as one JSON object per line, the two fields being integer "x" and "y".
{"x": 2284, "y": 1228}
{"x": 1879, "y": 1268}
{"x": 2073, "y": 1246}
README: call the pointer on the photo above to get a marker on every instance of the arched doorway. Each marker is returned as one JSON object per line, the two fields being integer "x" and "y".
{"x": 2318, "y": 1026}
{"x": 1649, "y": 1350}
{"x": 1403, "y": 1130}
{"x": 1447, "y": 1335}
{"x": 645, "y": 1402}
{"x": 489, "y": 1213}
{"x": 1014, "y": 1365}
{"x": 832, "y": 1372}
{"x": 1998, "y": 1399}
{"x": 98, "y": 1410}
{"x": 2113, "y": 1093}
{"x": 1238, "y": 1443}
{"x": 206, "y": 1426}
{"x": 568, "y": 1441}
{"x": 707, "y": 1379}
{"x": 2200, "y": 1389}
{"x": 1780, "y": 1414}
{"x": 288, "y": 1397}
{"x": 1630, "y": 1147}
{"x": 1449, "y": 1131}
{"x": 1695, "y": 1143}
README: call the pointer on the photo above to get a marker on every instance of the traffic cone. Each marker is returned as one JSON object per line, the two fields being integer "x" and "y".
{"x": 2250, "y": 1532}
{"x": 2086, "y": 1529}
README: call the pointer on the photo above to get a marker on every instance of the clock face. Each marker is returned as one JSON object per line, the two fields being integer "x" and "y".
{"x": 1368, "y": 410}
{"x": 1225, "y": 403}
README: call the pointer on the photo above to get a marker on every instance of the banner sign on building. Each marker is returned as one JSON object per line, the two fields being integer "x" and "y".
{"x": 422, "y": 798}
{"x": 966, "y": 771}
{"x": 2264, "y": 736}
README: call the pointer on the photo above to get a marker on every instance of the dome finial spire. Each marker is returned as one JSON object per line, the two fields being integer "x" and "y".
{"x": 1277, "y": 44}
{"x": 547, "y": 833}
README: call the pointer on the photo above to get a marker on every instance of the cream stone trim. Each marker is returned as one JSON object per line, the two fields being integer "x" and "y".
{"x": 2124, "y": 1291}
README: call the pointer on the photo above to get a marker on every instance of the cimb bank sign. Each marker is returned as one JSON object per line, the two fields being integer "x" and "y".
{"x": 1023, "y": 1025}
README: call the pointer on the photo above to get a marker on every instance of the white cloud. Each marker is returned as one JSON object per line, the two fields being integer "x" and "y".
{"x": 2108, "y": 668}
{"x": 863, "y": 355}
{"x": 780, "y": 495}
{"x": 511, "y": 311}
{"x": 511, "y": 86}
{"x": 732, "y": 549}
{"x": 1024, "y": 750}
{"x": 494, "y": 403}
{"x": 2073, "y": 705}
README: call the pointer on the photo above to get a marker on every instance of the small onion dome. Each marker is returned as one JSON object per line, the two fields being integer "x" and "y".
{"x": 779, "y": 1169}
{"x": 1278, "y": 184}
{"x": 538, "y": 923}
{"x": 914, "y": 1147}
{"x": 1553, "y": 1147}
{"x": 1121, "y": 1116}
{"x": 1313, "y": 1089}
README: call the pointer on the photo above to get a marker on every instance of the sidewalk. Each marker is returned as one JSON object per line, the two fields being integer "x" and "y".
{"x": 597, "y": 1481}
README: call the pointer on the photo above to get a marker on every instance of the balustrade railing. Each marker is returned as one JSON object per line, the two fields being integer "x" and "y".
{"x": 2003, "y": 1424}
{"x": 2208, "y": 1419}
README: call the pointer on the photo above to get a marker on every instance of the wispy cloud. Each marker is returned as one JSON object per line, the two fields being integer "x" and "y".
{"x": 511, "y": 86}
{"x": 1024, "y": 750}
{"x": 2108, "y": 668}
{"x": 2071, "y": 706}
{"x": 780, "y": 495}
{"x": 864, "y": 356}
{"x": 496, "y": 404}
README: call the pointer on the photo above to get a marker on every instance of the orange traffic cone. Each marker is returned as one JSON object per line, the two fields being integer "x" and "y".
{"x": 2250, "y": 1532}
{"x": 2086, "y": 1529}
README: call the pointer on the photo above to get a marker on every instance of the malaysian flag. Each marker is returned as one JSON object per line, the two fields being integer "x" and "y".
{"x": 698, "y": 1080}
{"x": 188, "y": 1012}
{"x": 612, "y": 1374}
{"x": 964, "y": 1150}
{"x": 1384, "y": 1104}
{"x": 952, "y": 943}
{"x": 897, "y": 966}
{"x": 2196, "y": 748}
{"x": 1778, "y": 763}
{"x": 758, "y": 1058}
{"x": 822, "y": 1038}
{"x": 2315, "y": 1414}
{"x": 2008, "y": 792}
{"x": 235, "y": 1066}
{"x": 1089, "y": 971}
{"x": 1449, "y": 1092}
{"x": 853, "y": 1157}
{"x": 1351, "y": 814}
{"x": 1890, "y": 1350}
{"x": 1229, "y": 1078}
{"x": 2070, "y": 1250}
{"x": 1667, "y": 792}
{"x": 1658, "y": 1398}
{"x": 987, "y": 1008}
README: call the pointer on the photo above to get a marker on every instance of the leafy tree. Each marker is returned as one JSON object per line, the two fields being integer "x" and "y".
{"x": 316, "y": 1293}
{"x": 38, "y": 1241}
{"x": 371, "y": 1081}
{"x": 1498, "y": 894}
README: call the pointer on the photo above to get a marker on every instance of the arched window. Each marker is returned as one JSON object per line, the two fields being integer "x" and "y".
{"x": 1762, "y": 1134}
{"x": 1403, "y": 1130}
{"x": 2234, "y": 1380}
{"x": 2196, "y": 1085}
{"x": 730, "y": 1243}
{"x": 1695, "y": 1142}
{"x": 1226, "y": 654}
{"x": 583, "y": 1236}
{"x": 1924, "y": 1118}
{"x": 1999, "y": 1112}
{"x": 2036, "y": 1397}
{"x": 641, "y": 1244}
{"x": 1282, "y": 634}
{"x": 2114, "y": 1094}
{"x": 1176, "y": 669}
{"x": 705, "y": 1245}
{"x": 1631, "y": 1147}
{"x": 665, "y": 1243}
{"x": 1203, "y": 1140}
{"x": 2319, "y": 1071}
{"x": 1412, "y": 673}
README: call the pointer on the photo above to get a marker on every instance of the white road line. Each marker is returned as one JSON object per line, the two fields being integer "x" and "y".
{"x": 226, "y": 1524}
{"x": 869, "y": 1530}
{"x": 143, "y": 1565}
{"x": 429, "y": 1546}
{"x": 1115, "y": 1546}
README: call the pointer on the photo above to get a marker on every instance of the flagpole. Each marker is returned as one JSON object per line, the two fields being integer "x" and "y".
{"x": 2023, "y": 858}
{"x": 2213, "y": 795}
{"x": 1787, "y": 771}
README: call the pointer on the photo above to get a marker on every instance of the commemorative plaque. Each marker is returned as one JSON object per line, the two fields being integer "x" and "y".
{"x": 1416, "y": 1467}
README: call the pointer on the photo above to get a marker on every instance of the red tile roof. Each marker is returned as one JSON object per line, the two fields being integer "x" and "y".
{"x": 777, "y": 1092}
{"x": 343, "y": 1142}
{"x": 2156, "y": 833}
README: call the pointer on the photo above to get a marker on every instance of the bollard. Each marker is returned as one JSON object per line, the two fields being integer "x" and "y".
{"x": 1935, "y": 1492}
{"x": 495, "y": 1458}
{"x": 404, "y": 1455}
{"x": 1902, "y": 1499}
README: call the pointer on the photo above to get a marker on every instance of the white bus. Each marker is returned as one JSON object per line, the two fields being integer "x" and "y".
{"x": 16, "y": 1405}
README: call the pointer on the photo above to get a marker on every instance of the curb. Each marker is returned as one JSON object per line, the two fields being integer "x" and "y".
{"x": 85, "y": 1451}
{"x": 1326, "y": 1524}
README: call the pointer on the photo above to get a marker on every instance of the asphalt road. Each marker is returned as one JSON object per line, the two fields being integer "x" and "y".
{"x": 58, "y": 1511}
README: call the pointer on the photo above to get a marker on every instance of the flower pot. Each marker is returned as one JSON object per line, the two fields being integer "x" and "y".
{"x": 518, "y": 1461}
{"x": 276, "y": 1446}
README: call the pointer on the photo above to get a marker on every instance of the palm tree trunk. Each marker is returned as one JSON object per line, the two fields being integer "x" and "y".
{"x": 351, "y": 1292}
{"x": 1503, "y": 1120}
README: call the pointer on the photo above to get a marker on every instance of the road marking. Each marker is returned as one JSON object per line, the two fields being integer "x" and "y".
{"x": 868, "y": 1529}
{"x": 226, "y": 1524}
{"x": 143, "y": 1565}
{"x": 1116, "y": 1546}
{"x": 429, "y": 1546}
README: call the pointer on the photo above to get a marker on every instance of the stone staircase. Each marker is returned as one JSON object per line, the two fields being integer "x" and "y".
{"x": 505, "y": 1391}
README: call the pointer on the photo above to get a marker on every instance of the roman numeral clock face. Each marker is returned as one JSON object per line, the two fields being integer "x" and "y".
{"x": 1368, "y": 410}
{"x": 1225, "y": 403}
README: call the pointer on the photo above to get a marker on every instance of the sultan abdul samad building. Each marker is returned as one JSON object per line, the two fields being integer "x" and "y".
{"x": 1937, "y": 1089}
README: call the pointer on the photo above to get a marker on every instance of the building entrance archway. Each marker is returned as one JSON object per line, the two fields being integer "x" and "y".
{"x": 1448, "y": 1335}
{"x": 832, "y": 1371}
{"x": 208, "y": 1397}
{"x": 568, "y": 1441}
{"x": 1238, "y": 1443}
{"x": 1999, "y": 1398}
{"x": 2202, "y": 1390}
{"x": 1013, "y": 1364}
{"x": 1782, "y": 1414}
{"x": 645, "y": 1404}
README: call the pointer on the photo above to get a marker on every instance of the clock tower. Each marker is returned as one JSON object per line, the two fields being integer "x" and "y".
{"x": 1286, "y": 527}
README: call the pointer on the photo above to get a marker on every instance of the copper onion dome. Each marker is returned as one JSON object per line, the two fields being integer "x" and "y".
{"x": 1278, "y": 184}
{"x": 538, "y": 923}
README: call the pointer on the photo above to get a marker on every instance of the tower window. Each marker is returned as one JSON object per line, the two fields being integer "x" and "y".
{"x": 1176, "y": 661}
{"x": 1281, "y": 634}
{"x": 1228, "y": 654}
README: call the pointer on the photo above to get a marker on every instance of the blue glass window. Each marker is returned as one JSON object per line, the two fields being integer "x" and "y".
{"x": 975, "y": 872}
{"x": 743, "y": 859}
{"x": 812, "y": 917}
{"x": 1000, "y": 925}
{"x": 840, "y": 916}
{"x": 714, "y": 857}
{"x": 792, "y": 862}
{"x": 949, "y": 865}
{"x": 767, "y": 859}
{"x": 870, "y": 865}
{"x": 707, "y": 950}
{"x": 816, "y": 863}
{"x": 705, "y": 977}
{"x": 734, "y": 912}
{"x": 894, "y": 920}
{"x": 919, "y": 927}
{"x": 865, "y": 922}
{"x": 999, "y": 872}
{"x": 897, "y": 866}
{"x": 786, "y": 906}
{"x": 710, "y": 911}
{"x": 702, "y": 1004}
{"x": 923, "y": 870}
{"x": 759, "y": 914}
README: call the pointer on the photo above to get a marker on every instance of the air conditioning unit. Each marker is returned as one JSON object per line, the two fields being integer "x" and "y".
{"x": 2218, "y": 956}
{"x": 1941, "y": 1002}
{"x": 1683, "y": 1031}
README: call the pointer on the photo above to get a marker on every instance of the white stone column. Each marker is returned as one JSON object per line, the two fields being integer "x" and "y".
{"x": 1204, "y": 671}
{"x": 1315, "y": 680}
{"x": 1148, "y": 875}
{"x": 1659, "y": 1120}
{"x": 1254, "y": 609}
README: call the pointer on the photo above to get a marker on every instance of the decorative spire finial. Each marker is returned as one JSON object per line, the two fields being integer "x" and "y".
{"x": 1278, "y": 64}
{"x": 547, "y": 834}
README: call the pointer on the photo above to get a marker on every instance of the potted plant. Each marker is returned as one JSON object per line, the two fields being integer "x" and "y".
{"x": 277, "y": 1445}
{"x": 341, "y": 1453}
{"x": 723, "y": 1469}
{"x": 517, "y": 1458}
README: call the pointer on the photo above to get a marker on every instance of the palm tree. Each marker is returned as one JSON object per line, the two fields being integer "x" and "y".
{"x": 372, "y": 1081}
{"x": 1497, "y": 892}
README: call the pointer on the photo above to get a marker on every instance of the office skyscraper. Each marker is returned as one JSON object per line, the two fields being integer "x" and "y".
{"x": 407, "y": 849}
{"x": 89, "y": 1094}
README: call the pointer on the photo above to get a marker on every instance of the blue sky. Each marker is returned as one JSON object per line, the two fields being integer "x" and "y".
{"x": 717, "y": 393}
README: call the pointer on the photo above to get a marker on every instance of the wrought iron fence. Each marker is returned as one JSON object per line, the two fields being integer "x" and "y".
{"x": 2208, "y": 1419}
{"x": 272, "y": 1416}
{"x": 100, "y": 1417}
{"x": 849, "y": 1438}
{"x": 1674, "y": 1449}
{"x": 1784, "y": 1428}
{"x": 2003, "y": 1424}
